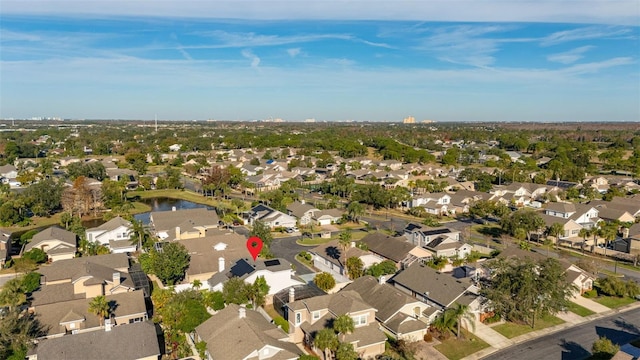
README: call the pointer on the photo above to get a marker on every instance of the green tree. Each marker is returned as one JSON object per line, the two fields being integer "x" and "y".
{"x": 344, "y": 241}
{"x": 214, "y": 300}
{"x": 525, "y": 220}
{"x": 100, "y": 307}
{"x": 386, "y": 267}
{"x": 345, "y": 351}
{"x": 257, "y": 291}
{"x": 522, "y": 290}
{"x": 327, "y": 341}
{"x": 355, "y": 267}
{"x": 438, "y": 262}
{"x": 324, "y": 281}
{"x": 17, "y": 331}
{"x": 234, "y": 291}
{"x": 12, "y": 294}
{"x": 262, "y": 231}
{"x": 170, "y": 264}
{"x": 344, "y": 325}
{"x": 603, "y": 348}
{"x": 37, "y": 255}
{"x": 355, "y": 210}
{"x": 462, "y": 313}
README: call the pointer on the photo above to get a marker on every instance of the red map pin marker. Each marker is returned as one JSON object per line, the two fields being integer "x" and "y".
{"x": 254, "y": 245}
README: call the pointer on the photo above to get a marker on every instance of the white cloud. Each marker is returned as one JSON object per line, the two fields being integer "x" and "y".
{"x": 293, "y": 52}
{"x": 255, "y": 60}
{"x": 466, "y": 44}
{"x": 571, "y": 56}
{"x": 585, "y": 33}
{"x": 594, "y": 67}
{"x": 620, "y": 12}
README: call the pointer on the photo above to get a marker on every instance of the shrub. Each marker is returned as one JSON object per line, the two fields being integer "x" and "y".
{"x": 428, "y": 337}
{"x": 590, "y": 294}
{"x": 284, "y": 324}
{"x": 603, "y": 348}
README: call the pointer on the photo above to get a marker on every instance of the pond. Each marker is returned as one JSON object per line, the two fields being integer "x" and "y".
{"x": 167, "y": 204}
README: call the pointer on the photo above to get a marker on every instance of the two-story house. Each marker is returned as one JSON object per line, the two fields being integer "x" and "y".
{"x": 396, "y": 249}
{"x": 302, "y": 211}
{"x": 307, "y": 317}
{"x": 331, "y": 258}
{"x": 585, "y": 215}
{"x": 399, "y": 314}
{"x": 433, "y": 203}
{"x": 115, "y": 234}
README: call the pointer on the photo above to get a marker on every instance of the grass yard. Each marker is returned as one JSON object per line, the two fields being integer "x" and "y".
{"x": 579, "y": 310}
{"x": 455, "y": 349}
{"x": 613, "y": 302}
{"x": 511, "y": 330}
{"x": 277, "y": 319}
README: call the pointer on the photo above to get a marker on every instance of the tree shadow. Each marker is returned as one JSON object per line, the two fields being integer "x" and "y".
{"x": 573, "y": 351}
{"x": 333, "y": 252}
{"x": 632, "y": 328}
{"x": 619, "y": 337}
{"x": 491, "y": 231}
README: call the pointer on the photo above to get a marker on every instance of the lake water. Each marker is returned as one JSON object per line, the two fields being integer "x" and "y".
{"x": 167, "y": 204}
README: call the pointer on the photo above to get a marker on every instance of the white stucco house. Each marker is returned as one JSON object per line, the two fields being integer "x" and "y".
{"x": 114, "y": 234}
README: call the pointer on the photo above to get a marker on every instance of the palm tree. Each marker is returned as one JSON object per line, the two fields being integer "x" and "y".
{"x": 345, "y": 241}
{"x": 444, "y": 322}
{"x": 354, "y": 211}
{"x": 138, "y": 233}
{"x": 463, "y": 313}
{"x": 584, "y": 233}
{"x": 555, "y": 230}
{"x": 196, "y": 284}
{"x": 100, "y": 307}
{"x": 344, "y": 325}
{"x": 327, "y": 341}
{"x": 12, "y": 294}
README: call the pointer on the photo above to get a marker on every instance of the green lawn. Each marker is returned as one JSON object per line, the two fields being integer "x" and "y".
{"x": 455, "y": 349}
{"x": 511, "y": 330}
{"x": 613, "y": 302}
{"x": 579, "y": 310}
{"x": 277, "y": 319}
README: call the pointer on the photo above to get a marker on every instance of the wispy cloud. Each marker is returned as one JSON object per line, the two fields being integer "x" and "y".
{"x": 255, "y": 60}
{"x": 571, "y": 56}
{"x": 586, "y": 33}
{"x": 467, "y": 44}
{"x": 594, "y": 67}
{"x": 293, "y": 52}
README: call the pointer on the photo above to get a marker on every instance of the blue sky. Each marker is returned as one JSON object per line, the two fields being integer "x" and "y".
{"x": 477, "y": 60}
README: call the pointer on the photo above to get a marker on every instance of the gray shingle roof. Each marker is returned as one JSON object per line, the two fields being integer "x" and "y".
{"x": 52, "y": 233}
{"x": 126, "y": 342}
{"x": 112, "y": 224}
{"x": 383, "y": 297}
{"x": 67, "y": 269}
{"x": 230, "y": 337}
{"x": 393, "y": 248}
{"x": 442, "y": 288}
{"x": 185, "y": 219}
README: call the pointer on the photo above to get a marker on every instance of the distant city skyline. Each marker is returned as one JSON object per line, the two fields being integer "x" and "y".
{"x": 329, "y": 61}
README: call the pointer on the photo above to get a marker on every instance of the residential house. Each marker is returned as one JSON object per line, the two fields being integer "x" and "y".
{"x": 599, "y": 183}
{"x": 84, "y": 277}
{"x": 582, "y": 280}
{"x": 438, "y": 290}
{"x": 265, "y": 182}
{"x": 5, "y": 247}
{"x": 277, "y": 273}
{"x": 127, "y": 175}
{"x": 205, "y": 254}
{"x": 396, "y": 249}
{"x": 614, "y": 214}
{"x": 399, "y": 314}
{"x": 238, "y": 333}
{"x": 327, "y": 217}
{"x": 115, "y": 234}
{"x": 331, "y": 258}
{"x": 8, "y": 172}
{"x": 585, "y": 215}
{"x": 421, "y": 235}
{"x": 175, "y": 147}
{"x": 132, "y": 342}
{"x": 183, "y": 224}
{"x": 633, "y": 236}
{"x": 433, "y": 203}
{"x": 59, "y": 244}
{"x": 302, "y": 211}
{"x": 307, "y": 317}
{"x": 630, "y": 205}
{"x": 570, "y": 228}
{"x": 271, "y": 217}
{"x": 73, "y": 316}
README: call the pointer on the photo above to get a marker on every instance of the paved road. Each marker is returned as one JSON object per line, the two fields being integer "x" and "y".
{"x": 575, "y": 343}
{"x": 287, "y": 248}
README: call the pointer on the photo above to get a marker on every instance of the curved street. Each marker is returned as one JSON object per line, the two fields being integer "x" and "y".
{"x": 575, "y": 343}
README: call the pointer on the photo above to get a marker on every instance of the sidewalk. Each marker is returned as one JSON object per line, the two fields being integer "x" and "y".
{"x": 570, "y": 318}
{"x": 590, "y": 304}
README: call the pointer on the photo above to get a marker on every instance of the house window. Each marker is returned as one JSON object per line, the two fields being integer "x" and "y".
{"x": 316, "y": 315}
{"x": 360, "y": 320}
{"x": 298, "y": 318}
